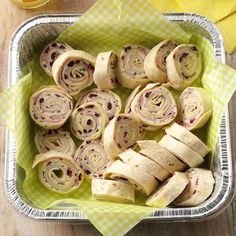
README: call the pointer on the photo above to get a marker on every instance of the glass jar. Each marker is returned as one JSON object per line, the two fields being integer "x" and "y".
{"x": 29, "y": 4}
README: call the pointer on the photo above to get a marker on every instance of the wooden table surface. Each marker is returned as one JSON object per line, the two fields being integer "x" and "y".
{"x": 14, "y": 224}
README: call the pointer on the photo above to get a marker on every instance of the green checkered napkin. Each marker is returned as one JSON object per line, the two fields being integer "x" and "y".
{"x": 109, "y": 25}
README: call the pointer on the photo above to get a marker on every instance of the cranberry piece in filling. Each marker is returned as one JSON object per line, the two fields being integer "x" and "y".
{"x": 69, "y": 172}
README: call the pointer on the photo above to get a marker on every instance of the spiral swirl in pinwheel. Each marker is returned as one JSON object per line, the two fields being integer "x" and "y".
{"x": 91, "y": 157}
{"x": 130, "y": 66}
{"x": 111, "y": 190}
{"x": 194, "y": 108}
{"x": 88, "y": 121}
{"x": 50, "y": 53}
{"x": 154, "y": 106}
{"x": 105, "y": 70}
{"x": 121, "y": 133}
{"x": 50, "y": 107}
{"x": 73, "y": 71}
{"x": 129, "y": 111}
{"x": 200, "y": 187}
{"x": 58, "y": 140}
{"x": 155, "y": 61}
{"x": 58, "y": 172}
{"x": 183, "y": 65}
{"x": 109, "y": 101}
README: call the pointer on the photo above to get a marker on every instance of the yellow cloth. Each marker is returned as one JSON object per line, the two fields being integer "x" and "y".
{"x": 216, "y": 10}
{"x": 213, "y": 9}
{"x": 166, "y": 5}
{"x": 227, "y": 28}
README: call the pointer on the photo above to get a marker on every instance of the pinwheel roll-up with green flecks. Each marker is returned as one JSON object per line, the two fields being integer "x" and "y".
{"x": 58, "y": 172}
{"x": 88, "y": 121}
{"x": 184, "y": 65}
{"x": 54, "y": 140}
{"x": 92, "y": 159}
{"x": 73, "y": 71}
{"x": 130, "y": 66}
{"x": 128, "y": 174}
{"x": 111, "y": 190}
{"x": 50, "y": 107}
{"x": 50, "y": 53}
{"x": 121, "y": 133}
{"x": 194, "y": 108}
{"x": 154, "y": 106}
{"x": 168, "y": 191}
{"x": 105, "y": 70}
{"x": 109, "y": 101}
{"x": 155, "y": 61}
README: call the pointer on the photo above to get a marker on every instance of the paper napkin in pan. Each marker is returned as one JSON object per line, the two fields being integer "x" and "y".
{"x": 108, "y": 25}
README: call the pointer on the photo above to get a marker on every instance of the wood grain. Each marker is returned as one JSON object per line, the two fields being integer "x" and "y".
{"x": 14, "y": 224}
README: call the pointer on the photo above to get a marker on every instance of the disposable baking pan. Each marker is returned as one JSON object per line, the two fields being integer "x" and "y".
{"x": 34, "y": 34}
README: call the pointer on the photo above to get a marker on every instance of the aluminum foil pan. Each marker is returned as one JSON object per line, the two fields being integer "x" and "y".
{"x": 38, "y": 31}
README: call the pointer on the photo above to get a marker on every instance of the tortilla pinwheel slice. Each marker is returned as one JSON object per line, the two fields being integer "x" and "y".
{"x": 73, "y": 71}
{"x": 125, "y": 173}
{"x": 50, "y": 53}
{"x": 50, "y": 107}
{"x": 168, "y": 191}
{"x": 182, "y": 151}
{"x": 121, "y": 133}
{"x": 194, "y": 108}
{"x": 154, "y": 106}
{"x": 128, "y": 108}
{"x": 155, "y": 61}
{"x": 109, "y": 101}
{"x": 88, "y": 121}
{"x": 144, "y": 164}
{"x": 184, "y": 65}
{"x": 111, "y": 190}
{"x": 130, "y": 99}
{"x": 105, "y": 70}
{"x": 185, "y": 136}
{"x": 92, "y": 159}
{"x": 151, "y": 149}
{"x": 58, "y": 172}
{"x": 58, "y": 140}
{"x": 130, "y": 66}
{"x": 200, "y": 187}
